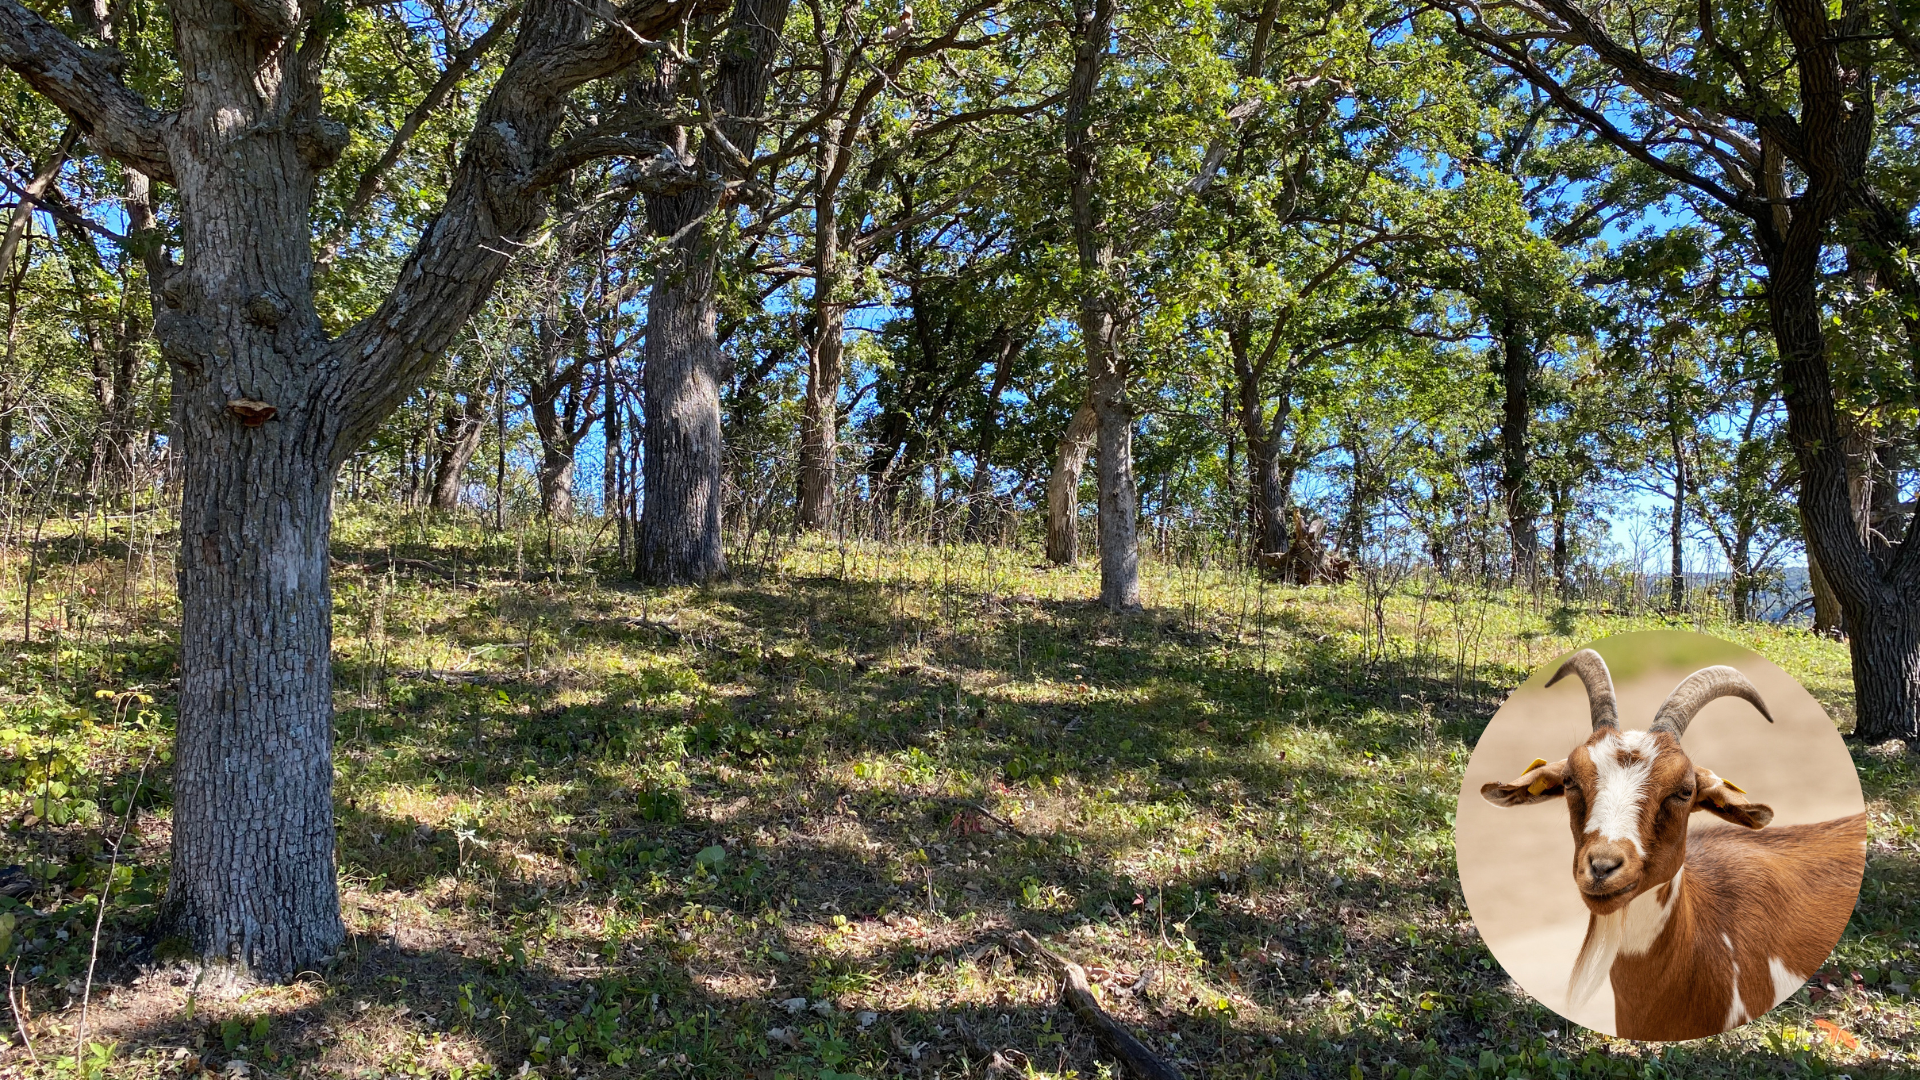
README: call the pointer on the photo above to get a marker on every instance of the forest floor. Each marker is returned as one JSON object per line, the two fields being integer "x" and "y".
{"x": 784, "y": 827}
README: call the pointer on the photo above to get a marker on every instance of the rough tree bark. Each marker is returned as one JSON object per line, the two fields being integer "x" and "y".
{"x": 1877, "y": 584}
{"x": 679, "y": 535}
{"x": 1827, "y": 618}
{"x": 678, "y": 539}
{"x": 462, "y": 425}
{"x": 1063, "y": 488}
{"x": 561, "y": 399}
{"x": 820, "y": 421}
{"x": 1516, "y": 415}
{"x": 1677, "y": 517}
{"x": 1100, "y": 320}
{"x": 980, "y": 486}
{"x": 266, "y": 406}
{"x": 1269, "y": 472}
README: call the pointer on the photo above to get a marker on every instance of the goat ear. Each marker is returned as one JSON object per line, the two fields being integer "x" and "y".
{"x": 1725, "y": 800}
{"x": 1541, "y": 781}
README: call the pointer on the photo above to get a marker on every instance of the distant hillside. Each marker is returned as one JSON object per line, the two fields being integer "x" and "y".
{"x": 1776, "y": 604}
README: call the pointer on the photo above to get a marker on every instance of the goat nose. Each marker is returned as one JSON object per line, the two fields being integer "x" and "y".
{"x": 1603, "y": 864}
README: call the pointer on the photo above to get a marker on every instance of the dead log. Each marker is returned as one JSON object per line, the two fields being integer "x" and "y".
{"x": 1077, "y": 993}
{"x": 1308, "y": 559}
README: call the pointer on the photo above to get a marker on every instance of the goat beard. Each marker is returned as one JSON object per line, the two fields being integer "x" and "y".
{"x": 1631, "y": 930}
{"x": 1595, "y": 963}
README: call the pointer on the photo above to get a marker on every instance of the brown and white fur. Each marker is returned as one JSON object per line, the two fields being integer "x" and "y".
{"x": 1698, "y": 934}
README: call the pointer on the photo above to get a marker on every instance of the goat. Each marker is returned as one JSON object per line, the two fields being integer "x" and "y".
{"x": 1699, "y": 933}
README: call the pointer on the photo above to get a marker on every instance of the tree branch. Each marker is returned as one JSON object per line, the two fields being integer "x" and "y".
{"x": 38, "y": 200}
{"x": 1488, "y": 45}
{"x": 375, "y": 174}
{"x": 276, "y": 18}
{"x": 494, "y": 208}
{"x": 656, "y": 169}
{"x": 37, "y": 186}
{"x": 117, "y": 120}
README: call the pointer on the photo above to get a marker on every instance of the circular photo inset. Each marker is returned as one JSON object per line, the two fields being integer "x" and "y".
{"x": 1661, "y": 836}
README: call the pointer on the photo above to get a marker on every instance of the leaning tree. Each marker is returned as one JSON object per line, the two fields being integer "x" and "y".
{"x": 267, "y": 404}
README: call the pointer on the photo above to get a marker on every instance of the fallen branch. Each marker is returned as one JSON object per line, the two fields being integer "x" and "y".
{"x": 981, "y": 809}
{"x": 19, "y": 1019}
{"x": 382, "y": 564}
{"x": 1077, "y": 993}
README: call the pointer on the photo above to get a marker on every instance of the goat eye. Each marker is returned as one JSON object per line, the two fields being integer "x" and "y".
{"x": 1681, "y": 796}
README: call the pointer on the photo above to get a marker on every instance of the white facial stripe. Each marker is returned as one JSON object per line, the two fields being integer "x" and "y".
{"x": 1615, "y": 811}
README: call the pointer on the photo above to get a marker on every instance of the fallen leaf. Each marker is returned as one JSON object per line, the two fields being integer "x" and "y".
{"x": 1837, "y": 1034}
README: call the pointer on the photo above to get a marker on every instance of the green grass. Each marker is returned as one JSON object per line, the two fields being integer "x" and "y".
{"x": 606, "y": 830}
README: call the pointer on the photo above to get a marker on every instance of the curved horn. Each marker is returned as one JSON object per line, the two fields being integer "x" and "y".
{"x": 1696, "y": 690}
{"x": 1599, "y": 683}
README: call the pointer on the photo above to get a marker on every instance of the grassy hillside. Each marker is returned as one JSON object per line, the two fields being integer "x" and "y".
{"x": 781, "y": 827}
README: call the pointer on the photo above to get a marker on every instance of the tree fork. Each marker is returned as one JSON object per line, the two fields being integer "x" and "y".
{"x": 266, "y": 407}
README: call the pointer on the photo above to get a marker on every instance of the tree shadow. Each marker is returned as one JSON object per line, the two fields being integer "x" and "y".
{"x": 890, "y": 792}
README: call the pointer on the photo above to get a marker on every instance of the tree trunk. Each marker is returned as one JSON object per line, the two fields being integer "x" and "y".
{"x": 1100, "y": 306}
{"x": 1878, "y": 588}
{"x": 980, "y": 488}
{"x": 1516, "y": 414}
{"x": 679, "y": 536}
{"x": 1063, "y": 489}
{"x": 820, "y": 419}
{"x": 1886, "y": 668}
{"x": 820, "y": 422}
{"x": 1676, "y": 568}
{"x": 1271, "y": 479}
{"x": 556, "y": 482}
{"x": 1740, "y": 565}
{"x": 980, "y": 484}
{"x": 461, "y": 429}
{"x": 1827, "y": 619}
{"x": 612, "y": 459}
{"x": 252, "y": 877}
{"x": 1269, "y": 473}
{"x": 267, "y": 405}
{"x": 885, "y": 464}
{"x": 560, "y": 399}
{"x": 1676, "y": 528}
{"x": 1561, "y": 556}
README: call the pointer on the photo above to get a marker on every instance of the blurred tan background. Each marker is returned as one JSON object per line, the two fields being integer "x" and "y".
{"x": 1516, "y": 864}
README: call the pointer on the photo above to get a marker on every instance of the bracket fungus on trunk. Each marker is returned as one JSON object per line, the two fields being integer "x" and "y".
{"x": 251, "y": 413}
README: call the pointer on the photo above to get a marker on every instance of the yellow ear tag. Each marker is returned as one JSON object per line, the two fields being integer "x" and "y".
{"x": 1731, "y": 786}
{"x": 1540, "y": 783}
